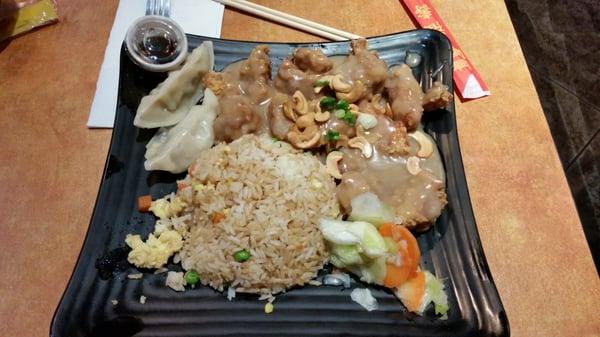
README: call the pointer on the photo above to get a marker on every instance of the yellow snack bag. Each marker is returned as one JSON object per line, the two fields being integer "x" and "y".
{"x": 20, "y": 16}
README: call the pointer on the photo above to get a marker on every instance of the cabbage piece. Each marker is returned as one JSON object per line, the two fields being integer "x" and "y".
{"x": 434, "y": 290}
{"x": 371, "y": 271}
{"x": 364, "y": 298}
{"x": 367, "y": 207}
{"x": 362, "y": 235}
{"x": 344, "y": 255}
{"x": 356, "y": 246}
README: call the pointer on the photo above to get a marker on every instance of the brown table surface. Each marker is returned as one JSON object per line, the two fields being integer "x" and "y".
{"x": 51, "y": 163}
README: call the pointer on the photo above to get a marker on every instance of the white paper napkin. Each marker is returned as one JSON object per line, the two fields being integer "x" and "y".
{"x": 199, "y": 17}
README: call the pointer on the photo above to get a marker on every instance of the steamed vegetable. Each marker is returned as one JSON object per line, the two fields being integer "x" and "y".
{"x": 405, "y": 260}
{"x": 364, "y": 298}
{"x": 356, "y": 246}
{"x": 360, "y": 234}
{"x": 367, "y": 207}
{"x": 192, "y": 277}
{"x": 422, "y": 289}
{"x": 387, "y": 256}
{"x": 434, "y": 290}
{"x": 241, "y": 255}
{"x": 144, "y": 203}
{"x": 412, "y": 292}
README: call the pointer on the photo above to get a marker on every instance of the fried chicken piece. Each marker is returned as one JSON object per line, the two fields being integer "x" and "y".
{"x": 436, "y": 97}
{"x": 215, "y": 82}
{"x": 420, "y": 222}
{"x": 255, "y": 74}
{"x": 395, "y": 144}
{"x": 365, "y": 66}
{"x": 238, "y": 116}
{"x": 375, "y": 106}
{"x": 301, "y": 70}
{"x": 279, "y": 124}
{"x": 405, "y": 95}
{"x": 311, "y": 60}
{"x": 389, "y": 137}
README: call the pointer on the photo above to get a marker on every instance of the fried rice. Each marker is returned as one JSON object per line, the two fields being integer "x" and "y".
{"x": 259, "y": 195}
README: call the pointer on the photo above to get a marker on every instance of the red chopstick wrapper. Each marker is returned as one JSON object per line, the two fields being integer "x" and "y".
{"x": 467, "y": 80}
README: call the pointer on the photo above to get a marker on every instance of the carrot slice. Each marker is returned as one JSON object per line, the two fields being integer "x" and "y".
{"x": 412, "y": 292}
{"x": 412, "y": 247}
{"x": 409, "y": 255}
{"x": 395, "y": 276}
{"x": 386, "y": 229}
{"x": 217, "y": 217}
{"x": 144, "y": 203}
{"x": 181, "y": 185}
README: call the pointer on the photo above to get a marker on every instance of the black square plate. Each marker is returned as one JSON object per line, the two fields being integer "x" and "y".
{"x": 451, "y": 250}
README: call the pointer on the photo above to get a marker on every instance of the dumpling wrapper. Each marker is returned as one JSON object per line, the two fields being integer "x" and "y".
{"x": 171, "y": 100}
{"x": 174, "y": 149}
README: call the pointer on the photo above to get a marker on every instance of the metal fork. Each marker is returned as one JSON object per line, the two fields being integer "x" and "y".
{"x": 158, "y": 7}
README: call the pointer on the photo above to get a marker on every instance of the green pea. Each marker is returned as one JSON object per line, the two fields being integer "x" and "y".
{"x": 241, "y": 255}
{"x": 327, "y": 102}
{"x": 342, "y": 104}
{"x": 192, "y": 277}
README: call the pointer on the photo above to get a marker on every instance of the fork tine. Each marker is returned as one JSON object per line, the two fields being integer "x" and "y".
{"x": 167, "y": 7}
{"x": 151, "y": 4}
{"x": 148, "y": 7}
{"x": 162, "y": 8}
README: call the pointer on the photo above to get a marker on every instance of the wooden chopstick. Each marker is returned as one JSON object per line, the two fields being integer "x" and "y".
{"x": 290, "y": 20}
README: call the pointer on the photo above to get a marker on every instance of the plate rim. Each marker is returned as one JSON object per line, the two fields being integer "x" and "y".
{"x": 461, "y": 174}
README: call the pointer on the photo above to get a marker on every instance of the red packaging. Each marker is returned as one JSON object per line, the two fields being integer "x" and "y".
{"x": 467, "y": 80}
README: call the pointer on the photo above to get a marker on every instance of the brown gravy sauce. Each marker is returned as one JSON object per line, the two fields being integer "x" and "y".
{"x": 415, "y": 198}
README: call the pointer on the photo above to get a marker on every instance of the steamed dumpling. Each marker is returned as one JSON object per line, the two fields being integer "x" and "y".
{"x": 174, "y": 149}
{"x": 171, "y": 100}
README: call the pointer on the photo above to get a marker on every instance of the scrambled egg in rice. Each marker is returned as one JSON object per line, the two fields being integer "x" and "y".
{"x": 164, "y": 242}
{"x": 155, "y": 252}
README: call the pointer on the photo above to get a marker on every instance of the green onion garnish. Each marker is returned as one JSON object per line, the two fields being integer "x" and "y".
{"x": 333, "y": 135}
{"x": 321, "y": 83}
{"x": 342, "y": 104}
{"x": 349, "y": 118}
{"x": 327, "y": 102}
{"x": 339, "y": 113}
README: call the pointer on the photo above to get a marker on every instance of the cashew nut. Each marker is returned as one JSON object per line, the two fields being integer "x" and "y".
{"x": 388, "y": 110}
{"x": 354, "y": 109}
{"x": 331, "y": 164}
{"x": 378, "y": 107}
{"x": 358, "y": 89}
{"x": 305, "y": 121}
{"x": 363, "y": 145}
{"x": 321, "y": 116}
{"x": 425, "y": 144}
{"x": 300, "y": 103}
{"x": 339, "y": 85}
{"x": 288, "y": 111}
{"x": 323, "y": 78}
{"x": 305, "y": 139}
{"x": 412, "y": 165}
